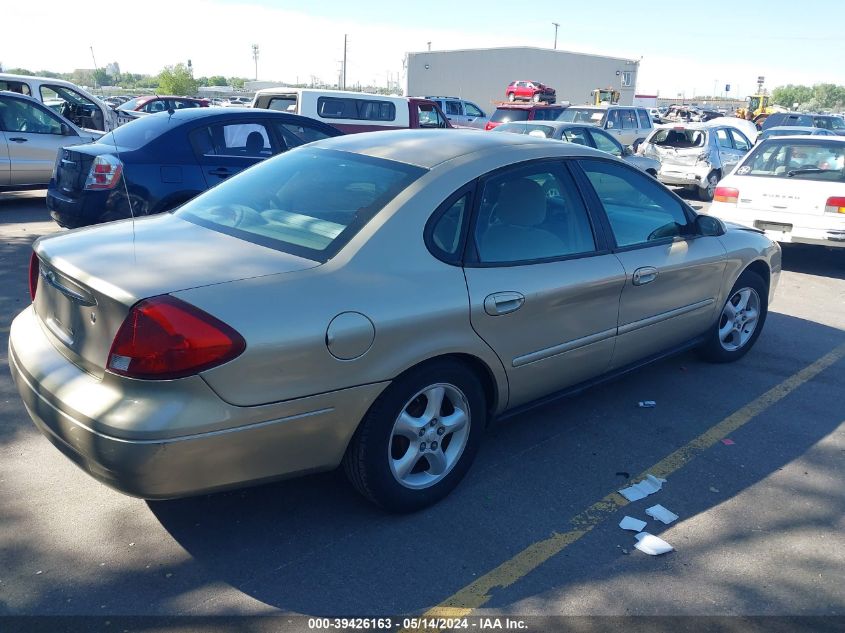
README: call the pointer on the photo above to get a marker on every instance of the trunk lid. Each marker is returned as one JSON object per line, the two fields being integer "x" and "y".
{"x": 787, "y": 195}
{"x": 90, "y": 278}
{"x": 72, "y": 170}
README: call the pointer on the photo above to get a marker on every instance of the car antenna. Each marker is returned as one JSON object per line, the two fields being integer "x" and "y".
{"x": 125, "y": 185}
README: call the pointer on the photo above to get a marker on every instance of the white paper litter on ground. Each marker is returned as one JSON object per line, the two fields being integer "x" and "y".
{"x": 661, "y": 514}
{"x": 630, "y": 523}
{"x": 646, "y": 487}
{"x": 651, "y": 544}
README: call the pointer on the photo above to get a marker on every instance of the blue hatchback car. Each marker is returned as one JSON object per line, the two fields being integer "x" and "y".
{"x": 162, "y": 160}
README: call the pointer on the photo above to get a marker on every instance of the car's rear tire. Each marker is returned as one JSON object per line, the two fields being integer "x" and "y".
{"x": 706, "y": 193}
{"x": 740, "y": 321}
{"x": 537, "y": 97}
{"x": 408, "y": 453}
{"x": 511, "y": 97}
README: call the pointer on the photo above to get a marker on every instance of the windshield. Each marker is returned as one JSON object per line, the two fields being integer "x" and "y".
{"x": 131, "y": 104}
{"x": 502, "y": 115}
{"x": 801, "y": 160}
{"x": 679, "y": 139}
{"x": 308, "y": 202}
{"x": 592, "y": 116}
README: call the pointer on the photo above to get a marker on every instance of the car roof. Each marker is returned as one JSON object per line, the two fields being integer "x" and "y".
{"x": 792, "y": 127}
{"x": 529, "y": 106}
{"x": 429, "y": 148}
{"x": 553, "y": 124}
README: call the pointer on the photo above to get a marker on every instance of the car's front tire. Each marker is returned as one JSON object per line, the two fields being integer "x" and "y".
{"x": 740, "y": 321}
{"x": 419, "y": 438}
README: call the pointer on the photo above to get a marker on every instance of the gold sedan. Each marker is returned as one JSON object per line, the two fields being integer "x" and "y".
{"x": 373, "y": 300}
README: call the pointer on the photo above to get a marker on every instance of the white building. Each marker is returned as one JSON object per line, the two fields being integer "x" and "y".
{"x": 481, "y": 75}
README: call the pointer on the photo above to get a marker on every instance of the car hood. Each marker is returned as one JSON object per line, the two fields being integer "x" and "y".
{"x": 131, "y": 260}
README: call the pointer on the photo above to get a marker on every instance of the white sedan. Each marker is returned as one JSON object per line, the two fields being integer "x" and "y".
{"x": 792, "y": 188}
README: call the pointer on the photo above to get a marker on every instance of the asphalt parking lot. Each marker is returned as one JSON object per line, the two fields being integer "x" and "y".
{"x": 531, "y": 531}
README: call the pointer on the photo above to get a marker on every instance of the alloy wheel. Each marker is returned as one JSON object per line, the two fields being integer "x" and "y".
{"x": 739, "y": 319}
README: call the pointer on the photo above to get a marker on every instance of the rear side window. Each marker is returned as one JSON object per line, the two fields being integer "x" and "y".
{"x": 798, "y": 160}
{"x": 639, "y": 209}
{"x": 15, "y": 86}
{"x": 446, "y": 232}
{"x": 629, "y": 119}
{"x": 531, "y": 213}
{"x": 503, "y": 115}
{"x": 249, "y": 140}
{"x": 297, "y": 134}
{"x": 283, "y": 104}
{"x": 308, "y": 202}
{"x": 359, "y": 109}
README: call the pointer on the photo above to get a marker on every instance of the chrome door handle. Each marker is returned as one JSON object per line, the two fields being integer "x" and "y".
{"x": 503, "y": 303}
{"x": 644, "y": 275}
{"x": 18, "y": 139}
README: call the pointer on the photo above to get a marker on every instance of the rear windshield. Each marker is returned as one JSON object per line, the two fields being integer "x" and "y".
{"x": 592, "y": 116}
{"x": 801, "y": 160}
{"x": 137, "y": 133}
{"x": 780, "y": 131}
{"x": 132, "y": 103}
{"x": 308, "y": 202}
{"x": 503, "y": 115}
{"x": 283, "y": 104}
{"x": 678, "y": 138}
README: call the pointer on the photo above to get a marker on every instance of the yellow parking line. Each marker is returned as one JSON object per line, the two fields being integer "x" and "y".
{"x": 478, "y": 592}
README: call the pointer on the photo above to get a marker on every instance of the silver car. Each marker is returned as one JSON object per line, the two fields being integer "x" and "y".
{"x": 696, "y": 155}
{"x": 587, "y": 135}
{"x": 31, "y": 135}
{"x": 372, "y": 300}
{"x": 461, "y": 113}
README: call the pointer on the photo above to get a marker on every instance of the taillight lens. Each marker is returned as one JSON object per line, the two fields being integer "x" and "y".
{"x": 105, "y": 172}
{"x": 726, "y": 194}
{"x": 835, "y": 204}
{"x": 489, "y": 126}
{"x": 34, "y": 266}
{"x": 164, "y": 338}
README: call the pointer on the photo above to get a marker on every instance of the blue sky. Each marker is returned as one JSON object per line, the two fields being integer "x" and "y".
{"x": 691, "y": 49}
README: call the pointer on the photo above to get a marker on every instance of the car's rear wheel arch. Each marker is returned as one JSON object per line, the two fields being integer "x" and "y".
{"x": 478, "y": 367}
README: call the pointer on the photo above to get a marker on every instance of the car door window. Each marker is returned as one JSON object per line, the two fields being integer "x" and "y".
{"x": 17, "y": 115}
{"x": 639, "y": 209}
{"x": 576, "y": 135}
{"x": 645, "y": 119}
{"x": 453, "y": 108}
{"x": 529, "y": 214}
{"x": 605, "y": 143}
{"x": 473, "y": 110}
{"x": 613, "y": 121}
{"x": 239, "y": 140}
{"x": 295, "y": 134}
{"x": 723, "y": 139}
{"x": 740, "y": 142}
{"x": 629, "y": 120}
{"x": 429, "y": 116}
{"x": 15, "y": 86}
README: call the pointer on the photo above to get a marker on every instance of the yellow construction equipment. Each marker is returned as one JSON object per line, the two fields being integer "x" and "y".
{"x": 757, "y": 107}
{"x": 605, "y": 96}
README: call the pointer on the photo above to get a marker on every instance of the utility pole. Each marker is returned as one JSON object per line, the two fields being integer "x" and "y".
{"x": 429, "y": 46}
{"x": 344, "y": 62}
{"x": 556, "y": 24}
{"x": 255, "y": 58}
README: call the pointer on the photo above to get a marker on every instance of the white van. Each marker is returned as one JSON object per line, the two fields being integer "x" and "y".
{"x": 72, "y": 102}
{"x": 353, "y": 111}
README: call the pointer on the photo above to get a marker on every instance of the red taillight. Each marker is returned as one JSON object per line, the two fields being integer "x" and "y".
{"x": 164, "y": 338}
{"x": 835, "y": 204}
{"x": 488, "y": 127}
{"x": 34, "y": 266}
{"x": 105, "y": 172}
{"x": 726, "y": 194}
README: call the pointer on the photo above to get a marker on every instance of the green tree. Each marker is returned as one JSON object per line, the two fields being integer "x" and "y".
{"x": 217, "y": 80}
{"x": 235, "y": 82}
{"x": 177, "y": 80}
{"x": 101, "y": 77}
{"x": 19, "y": 71}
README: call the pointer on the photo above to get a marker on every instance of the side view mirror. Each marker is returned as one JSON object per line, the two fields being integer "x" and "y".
{"x": 627, "y": 151}
{"x": 610, "y": 125}
{"x": 710, "y": 226}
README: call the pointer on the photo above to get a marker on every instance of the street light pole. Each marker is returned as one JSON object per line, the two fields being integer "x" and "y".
{"x": 344, "y": 62}
{"x": 255, "y": 57}
{"x": 556, "y": 25}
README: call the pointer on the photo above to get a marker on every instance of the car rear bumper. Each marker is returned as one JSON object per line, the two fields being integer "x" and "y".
{"x": 785, "y": 227}
{"x": 81, "y": 415}
{"x": 72, "y": 213}
{"x": 682, "y": 175}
